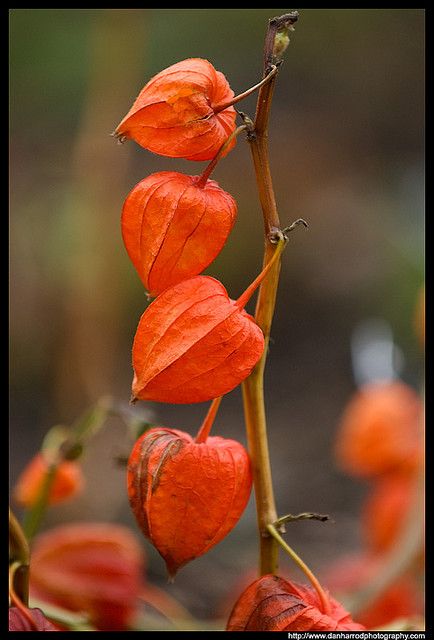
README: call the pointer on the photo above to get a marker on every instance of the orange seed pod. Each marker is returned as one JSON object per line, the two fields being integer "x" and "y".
{"x": 386, "y": 509}
{"x": 274, "y": 604}
{"x": 380, "y": 430}
{"x": 186, "y": 495}
{"x": 95, "y": 567}
{"x": 194, "y": 343}
{"x": 403, "y": 598}
{"x": 173, "y": 227}
{"x": 68, "y": 482}
{"x": 181, "y": 112}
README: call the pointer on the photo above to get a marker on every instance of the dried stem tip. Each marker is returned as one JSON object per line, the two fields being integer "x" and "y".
{"x": 277, "y": 39}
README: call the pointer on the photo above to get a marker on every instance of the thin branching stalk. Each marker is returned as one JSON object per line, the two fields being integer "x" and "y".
{"x": 253, "y": 387}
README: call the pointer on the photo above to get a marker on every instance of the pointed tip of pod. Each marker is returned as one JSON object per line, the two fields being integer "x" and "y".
{"x": 120, "y": 137}
{"x": 172, "y": 571}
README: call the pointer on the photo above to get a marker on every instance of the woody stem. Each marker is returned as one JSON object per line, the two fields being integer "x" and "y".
{"x": 253, "y": 386}
{"x": 229, "y": 103}
{"x": 15, "y": 598}
{"x": 19, "y": 553}
{"x": 205, "y": 429}
{"x": 325, "y": 602}
{"x": 212, "y": 165}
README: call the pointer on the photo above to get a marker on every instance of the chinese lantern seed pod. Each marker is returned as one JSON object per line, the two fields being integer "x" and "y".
{"x": 68, "y": 481}
{"x": 173, "y": 227}
{"x": 386, "y": 508}
{"x": 380, "y": 430}
{"x": 90, "y": 567}
{"x": 178, "y": 112}
{"x": 401, "y": 599}
{"x": 194, "y": 343}
{"x": 274, "y": 604}
{"x": 186, "y": 495}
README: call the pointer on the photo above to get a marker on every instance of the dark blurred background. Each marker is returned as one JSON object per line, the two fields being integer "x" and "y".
{"x": 347, "y": 154}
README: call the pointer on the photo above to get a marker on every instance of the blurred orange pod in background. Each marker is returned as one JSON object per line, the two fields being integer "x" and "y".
{"x": 385, "y": 510}
{"x": 68, "y": 481}
{"x": 96, "y": 568}
{"x": 381, "y": 430}
{"x": 400, "y": 599}
{"x": 180, "y": 112}
{"x": 173, "y": 227}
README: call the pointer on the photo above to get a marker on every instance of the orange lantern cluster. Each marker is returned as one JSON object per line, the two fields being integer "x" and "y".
{"x": 380, "y": 439}
{"x": 193, "y": 343}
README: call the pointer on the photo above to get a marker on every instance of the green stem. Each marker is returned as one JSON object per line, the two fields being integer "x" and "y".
{"x": 253, "y": 387}
{"x": 34, "y": 515}
{"x": 205, "y": 429}
{"x": 245, "y": 297}
{"x": 73, "y": 621}
{"x": 325, "y": 602}
{"x": 203, "y": 179}
{"x": 19, "y": 553}
{"x": 15, "y": 599}
{"x": 229, "y": 103}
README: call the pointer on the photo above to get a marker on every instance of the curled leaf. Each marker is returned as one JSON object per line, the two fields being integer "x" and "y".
{"x": 89, "y": 567}
{"x": 380, "y": 430}
{"x": 274, "y": 604}
{"x": 193, "y": 343}
{"x": 68, "y": 481}
{"x": 187, "y": 496}
{"x": 176, "y": 114}
{"x": 173, "y": 227}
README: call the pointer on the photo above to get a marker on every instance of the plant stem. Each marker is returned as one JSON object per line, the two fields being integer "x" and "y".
{"x": 229, "y": 103}
{"x": 15, "y": 599}
{"x": 204, "y": 430}
{"x": 35, "y": 514}
{"x": 245, "y": 297}
{"x": 212, "y": 165}
{"x": 19, "y": 553}
{"x": 325, "y": 602}
{"x": 301, "y": 516}
{"x": 253, "y": 387}
{"x": 167, "y": 605}
{"x": 73, "y": 621}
